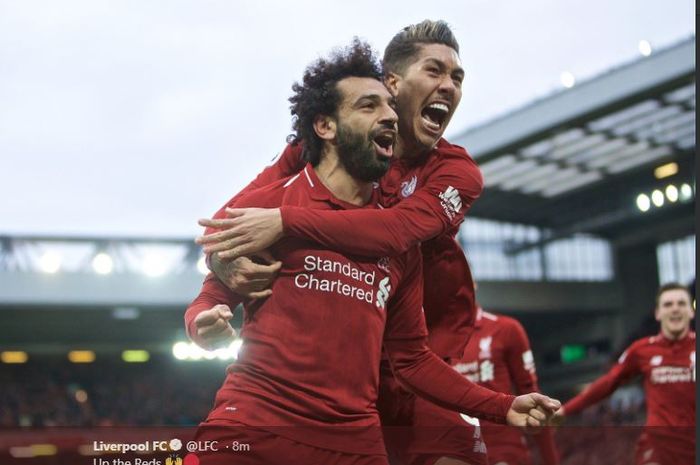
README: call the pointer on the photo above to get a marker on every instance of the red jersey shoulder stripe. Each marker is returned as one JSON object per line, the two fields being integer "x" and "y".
{"x": 308, "y": 178}
{"x": 291, "y": 180}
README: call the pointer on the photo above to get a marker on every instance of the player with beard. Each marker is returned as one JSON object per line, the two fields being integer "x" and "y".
{"x": 430, "y": 186}
{"x": 304, "y": 388}
{"x": 357, "y": 156}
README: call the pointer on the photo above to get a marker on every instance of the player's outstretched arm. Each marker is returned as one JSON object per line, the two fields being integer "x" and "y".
{"x": 245, "y": 231}
{"x": 423, "y": 372}
{"x": 433, "y": 208}
{"x": 624, "y": 370}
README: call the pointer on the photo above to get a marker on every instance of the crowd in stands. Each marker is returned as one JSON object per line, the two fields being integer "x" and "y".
{"x": 40, "y": 394}
{"x": 169, "y": 393}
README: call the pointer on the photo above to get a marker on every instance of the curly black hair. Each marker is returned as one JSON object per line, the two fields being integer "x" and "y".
{"x": 318, "y": 93}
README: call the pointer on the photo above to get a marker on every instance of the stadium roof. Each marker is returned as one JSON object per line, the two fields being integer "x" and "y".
{"x": 575, "y": 161}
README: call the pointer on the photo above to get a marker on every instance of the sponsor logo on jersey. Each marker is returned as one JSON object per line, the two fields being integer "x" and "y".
{"x": 383, "y": 264}
{"x": 465, "y": 368}
{"x": 485, "y": 347}
{"x": 656, "y": 360}
{"x": 350, "y": 280}
{"x": 529, "y": 361}
{"x": 383, "y": 292}
{"x": 409, "y": 187}
{"x": 667, "y": 375}
{"x": 692, "y": 364}
{"x": 477, "y": 371}
{"x": 451, "y": 202}
{"x": 487, "y": 371}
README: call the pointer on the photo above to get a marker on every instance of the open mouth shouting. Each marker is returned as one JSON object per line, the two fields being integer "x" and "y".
{"x": 384, "y": 142}
{"x": 434, "y": 116}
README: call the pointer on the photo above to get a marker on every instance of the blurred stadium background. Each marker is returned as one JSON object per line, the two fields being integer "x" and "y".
{"x": 588, "y": 206}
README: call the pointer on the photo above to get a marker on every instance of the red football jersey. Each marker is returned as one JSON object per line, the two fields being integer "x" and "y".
{"x": 498, "y": 356}
{"x": 668, "y": 368}
{"x": 311, "y": 351}
{"x": 429, "y": 197}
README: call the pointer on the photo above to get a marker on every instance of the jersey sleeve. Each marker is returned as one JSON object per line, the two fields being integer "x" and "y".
{"x": 420, "y": 370}
{"x": 519, "y": 358}
{"x": 213, "y": 292}
{"x": 289, "y": 162}
{"x": 424, "y": 373}
{"x": 441, "y": 203}
{"x": 625, "y": 369}
{"x": 405, "y": 318}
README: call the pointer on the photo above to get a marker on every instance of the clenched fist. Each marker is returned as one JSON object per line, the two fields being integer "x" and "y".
{"x": 213, "y": 327}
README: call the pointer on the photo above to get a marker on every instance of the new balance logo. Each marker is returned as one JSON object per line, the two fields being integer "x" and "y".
{"x": 383, "y": 292}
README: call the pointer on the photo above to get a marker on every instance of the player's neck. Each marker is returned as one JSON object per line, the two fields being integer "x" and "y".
{"x": 343, "y": 186}
{"x": 675, "y": 336}
{"x": 407, "y": 150}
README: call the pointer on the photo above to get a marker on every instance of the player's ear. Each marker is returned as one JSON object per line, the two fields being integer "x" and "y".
{"x": 391, "y": 81}
{"x": 325, "y": 127}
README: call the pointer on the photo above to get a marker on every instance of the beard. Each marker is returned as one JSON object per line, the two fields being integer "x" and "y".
{"x": 357, "y": 154}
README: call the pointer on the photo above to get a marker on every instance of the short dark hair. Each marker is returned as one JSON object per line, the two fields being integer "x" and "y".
{"x": 672, "y": 286}
{"x": 318, "y": 93}
{"x": 402, "y": 49}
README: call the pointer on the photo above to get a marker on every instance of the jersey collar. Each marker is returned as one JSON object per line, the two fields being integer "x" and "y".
{"x": 318, "y": 191}
{"x": 479, "y": 316}
{"x": 666, "y": 341}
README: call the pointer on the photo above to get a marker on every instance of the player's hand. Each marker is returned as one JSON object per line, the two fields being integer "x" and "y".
{"x": 558, "y": 418}
{"x": 532, "y": 411}
{"x": 245, "y": 232}
{"x": 213, "y": 327}
{"x": 245, "y": 277}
